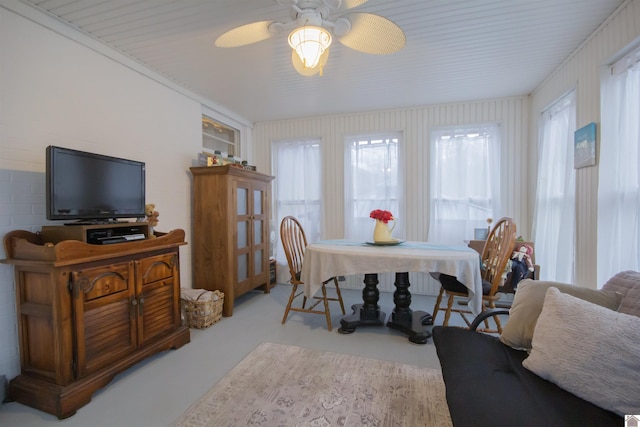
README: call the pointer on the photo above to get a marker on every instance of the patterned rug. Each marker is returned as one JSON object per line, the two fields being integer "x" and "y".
{"x": 282, "y": 385}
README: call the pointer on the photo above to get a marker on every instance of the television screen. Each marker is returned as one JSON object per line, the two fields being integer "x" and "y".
{"x": 93, "y": 187}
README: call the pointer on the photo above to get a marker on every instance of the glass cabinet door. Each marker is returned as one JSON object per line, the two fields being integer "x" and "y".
{"x": 252, "y": 228}
{"x": 258, "y": 230}
{"x": 243, "y": 242}
{"x": 243, "y": 231}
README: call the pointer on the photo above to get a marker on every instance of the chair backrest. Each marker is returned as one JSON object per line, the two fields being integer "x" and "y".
{"x": 294, "y": 242}
{"x": 497, "y": 251}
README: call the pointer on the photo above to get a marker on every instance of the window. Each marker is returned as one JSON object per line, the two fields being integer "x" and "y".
{"x": 619, "y": 180}
{"x": 464, "y": 181}
{"x": 298, "y": 187}
{"x": 372, "y": 181}
{"x": 554, "y": 217}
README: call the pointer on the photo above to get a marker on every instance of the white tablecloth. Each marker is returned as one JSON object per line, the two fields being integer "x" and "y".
{"x": 329, "y": 258}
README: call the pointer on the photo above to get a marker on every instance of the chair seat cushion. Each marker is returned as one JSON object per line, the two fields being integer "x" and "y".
{"x": 486, "y": 385}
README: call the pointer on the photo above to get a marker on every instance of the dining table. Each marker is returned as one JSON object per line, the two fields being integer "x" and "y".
{"x": 331, "y": 258}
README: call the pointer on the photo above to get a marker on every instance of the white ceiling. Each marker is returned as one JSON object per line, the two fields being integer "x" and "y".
{"x": 456, "y": 50}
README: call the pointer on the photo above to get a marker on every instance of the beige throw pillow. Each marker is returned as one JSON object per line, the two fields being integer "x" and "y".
{"x": 588, "y": 350}
{"x": 527, "y": 305}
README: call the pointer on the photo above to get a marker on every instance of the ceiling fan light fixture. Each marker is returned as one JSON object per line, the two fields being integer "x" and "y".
{"x": 310, "y": 42}
{"x": 299, "y": 66}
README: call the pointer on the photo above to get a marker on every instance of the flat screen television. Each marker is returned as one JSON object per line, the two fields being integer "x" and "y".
{"x": 93, "y": 188}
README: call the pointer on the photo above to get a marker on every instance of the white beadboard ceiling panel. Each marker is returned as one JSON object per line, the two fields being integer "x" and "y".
{"x": 457, "y": 50}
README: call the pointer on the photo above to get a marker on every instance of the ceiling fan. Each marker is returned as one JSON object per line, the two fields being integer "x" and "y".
{"x": 312, "y": 29}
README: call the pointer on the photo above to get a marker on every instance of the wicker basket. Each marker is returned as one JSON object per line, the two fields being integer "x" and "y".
{"x": 202, "y": 313}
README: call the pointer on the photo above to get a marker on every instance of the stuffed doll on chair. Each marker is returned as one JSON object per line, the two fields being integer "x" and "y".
{"x": 521, "y": 264}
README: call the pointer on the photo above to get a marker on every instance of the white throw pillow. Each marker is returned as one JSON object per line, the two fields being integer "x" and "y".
{"x": 588, "y": 350}
{"x": 527, "y": 304}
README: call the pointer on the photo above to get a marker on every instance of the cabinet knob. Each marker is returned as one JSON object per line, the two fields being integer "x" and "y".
{"x": 134, "y": 302}
{"x": 141, "y": 300}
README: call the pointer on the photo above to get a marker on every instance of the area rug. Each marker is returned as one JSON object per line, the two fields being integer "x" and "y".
{"x": 282, "y": 385}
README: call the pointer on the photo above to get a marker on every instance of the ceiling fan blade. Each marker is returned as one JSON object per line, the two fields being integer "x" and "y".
{"x": 341, "y": 4}
{"x": 373, "y": 34}
{"x": 350, "y": 4}
{"x": 245, "y": 34}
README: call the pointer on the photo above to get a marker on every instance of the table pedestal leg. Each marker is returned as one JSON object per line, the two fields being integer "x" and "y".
{"x": 368, "y": 313}
{"x": 413, "y": 323}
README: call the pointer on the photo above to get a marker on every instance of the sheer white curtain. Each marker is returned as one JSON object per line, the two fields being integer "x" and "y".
{"x": 619, "y": 181}
{"x": 554, "y": 217}
{"x": 372, "y": 181}
{"x": 297, "y": 189}
{"x": 465, "y": 181}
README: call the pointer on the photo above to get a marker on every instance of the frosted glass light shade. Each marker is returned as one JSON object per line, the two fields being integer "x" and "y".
{"x": 309, "y": 42}
{"x": 307, "y": 71}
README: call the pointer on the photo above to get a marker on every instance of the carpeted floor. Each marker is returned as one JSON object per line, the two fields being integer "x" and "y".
{"x": 283, "y": 385}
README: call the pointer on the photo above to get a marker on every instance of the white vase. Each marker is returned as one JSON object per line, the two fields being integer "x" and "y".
{"x": 382, "y": 232}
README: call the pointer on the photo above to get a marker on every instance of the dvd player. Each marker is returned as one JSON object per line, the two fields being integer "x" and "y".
{"x": 120, "y": 239}
{"x": 109, "y": 235}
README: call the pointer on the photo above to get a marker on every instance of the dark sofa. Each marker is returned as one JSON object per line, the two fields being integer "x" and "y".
{"x": 487, "y": 385}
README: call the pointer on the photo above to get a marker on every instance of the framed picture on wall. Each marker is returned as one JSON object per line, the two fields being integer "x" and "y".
{"x": 585, "y": 146}
{"x": 480, "y": 233}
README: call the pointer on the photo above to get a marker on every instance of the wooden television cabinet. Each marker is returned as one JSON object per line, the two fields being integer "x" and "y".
{"x": 88, "y": 312}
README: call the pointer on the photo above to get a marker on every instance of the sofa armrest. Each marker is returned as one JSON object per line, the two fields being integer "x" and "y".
{"x": 485, "y": 315}
{"x": 626, "y": 283}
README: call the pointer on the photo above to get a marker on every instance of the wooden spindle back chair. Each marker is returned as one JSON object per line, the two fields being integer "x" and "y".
{"x": 494, "y": 258}
{"x": 294, "y": 242}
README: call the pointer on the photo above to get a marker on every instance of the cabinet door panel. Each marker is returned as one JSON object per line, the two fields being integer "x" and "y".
{"x": 107, "y": 334}
{"x": 260, "y": 247}
{"x": 159, "y": 294}
{"x": 258, "y": 206}
{"x": 104, "y": 303}
{"x": 258, "y": 234}
{"x": 106, "y": 285}
{"x": 157, "y": 268}
{"x": 158, "y": 313}
{"x": 242, "y": 200}
{"x": 243, "y": 236}
{"x": 257, "y": 261}
{"x": 243, "y": 267}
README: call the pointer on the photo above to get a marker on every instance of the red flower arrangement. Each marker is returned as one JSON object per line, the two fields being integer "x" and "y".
{"x": 380, "y": 215}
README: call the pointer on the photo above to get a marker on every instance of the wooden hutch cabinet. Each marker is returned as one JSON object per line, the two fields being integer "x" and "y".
{"x": 231, "y": 208}
{"x": 87, "y": 312}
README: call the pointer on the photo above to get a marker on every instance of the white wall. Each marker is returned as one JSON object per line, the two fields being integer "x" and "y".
{"x": 54, "y": 91}
{"x": 415, "y": 124}
{"x": 582, "y": 71}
